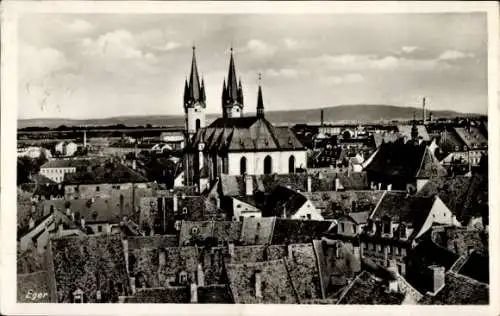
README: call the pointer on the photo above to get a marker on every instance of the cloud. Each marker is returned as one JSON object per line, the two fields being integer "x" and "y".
{"x": 80, "y": 26}
{"x": 345, "y": 79}
{"x": 259, "y": 49}
{"x": 169, "y": 46}
{"x": 409, "y": 49}
{"x": 351, "y": 62}
{"x": 287, "y": 73}
{"x": 116, "y": 46}
{"x": 40, "y": 63}
{"x": 454, "y": 55}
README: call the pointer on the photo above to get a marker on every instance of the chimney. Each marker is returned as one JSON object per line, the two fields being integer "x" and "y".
{"x": 176, "y": 203}
{"x": 33, "y": 209}
{"x": 356, "y": 252}
{"x": 437, "y": 278}
{"x": 258, "y": 284}
{"x": 60, "y": 228}
{"x": 68, "y": 211}
{"x": 162, "y": 258}
{"x": 231, "y": 250}
{"x": 31, "y": 223}
{"x": 423, "y": 111}
{"x": 134, "y": 164}
{"x": 73, "y": 216}
{"x": 379, "y": 186}
{"x": 336, "y": 184}
{"x": 84, "y": 139}
{"x": 201, "y": 276}
{"x": 309, "y": 183}
{"x": 217, "y": 202}
{"x": 132, "y": 285}
{"x": 194, "y": 293}
{"x": 82, "y": 222}
{"x": 248, "y": 185}
{"x": 389, "y": 187}
{"x": 290, "y": 253}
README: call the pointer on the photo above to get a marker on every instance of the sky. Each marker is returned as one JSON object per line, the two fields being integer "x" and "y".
{"x": 105, "y": 65}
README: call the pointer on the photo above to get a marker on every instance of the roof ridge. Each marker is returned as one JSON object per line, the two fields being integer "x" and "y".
{"x": 294, "y": 288}
{"x": 469, "y": 279}
{"x": 349, "y": 286}
{"x": 421, "y": 162}
{"x": 378, "y": 203}
{"x": 32, "y": 273}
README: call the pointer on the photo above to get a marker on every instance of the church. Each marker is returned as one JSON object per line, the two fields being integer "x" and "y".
{"x": 233, "y": 144}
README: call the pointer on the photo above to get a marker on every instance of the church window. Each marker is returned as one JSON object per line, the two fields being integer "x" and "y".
{"x": 198, "y": 124}
{"x": 268, "y": 165}
{"x": 291, "y": 164}
{"x": 243, "y": 165}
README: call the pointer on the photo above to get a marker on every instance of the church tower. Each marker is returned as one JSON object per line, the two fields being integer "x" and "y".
{"x": 232, "y": 93}
{"x": 194, "y": 100}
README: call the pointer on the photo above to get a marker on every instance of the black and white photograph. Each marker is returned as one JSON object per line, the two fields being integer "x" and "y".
{"x": 251, "y": 155}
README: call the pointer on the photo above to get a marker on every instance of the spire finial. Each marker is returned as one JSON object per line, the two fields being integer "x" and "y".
{"x": 194, "y": 46}
{"x": 260, "y": 77}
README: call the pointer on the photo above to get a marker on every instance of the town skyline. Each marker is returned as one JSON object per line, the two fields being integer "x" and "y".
{"x": 100, "y": 66}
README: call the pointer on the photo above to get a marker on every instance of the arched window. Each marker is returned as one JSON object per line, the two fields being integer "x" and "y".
{"x": 243, "y": 165}
{"x": 291, "y": 164}
{"x": 198, "y": 124}
{"x": 268, "y": 165}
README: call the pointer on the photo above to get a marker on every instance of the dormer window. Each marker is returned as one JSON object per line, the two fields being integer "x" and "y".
{"x": 402, "y": 231}
{"x": 78, "y": 296}
{"x": 184, "y": 211}
{"x": 183, "y": 277}
{"x": 195, "y": 230}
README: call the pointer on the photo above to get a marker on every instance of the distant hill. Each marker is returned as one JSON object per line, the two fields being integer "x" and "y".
{"x": 337, "y": 114}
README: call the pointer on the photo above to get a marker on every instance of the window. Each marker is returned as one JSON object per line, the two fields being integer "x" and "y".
{"x": 97, "y": 189}
{"x": 396, "y": 251}
{"x": 403, "y": 251}
{"x": 182, "y": 277}
{"x": 291, "y": 164}
{"x": 309, "y": 216}
{"x": 268, "y": 165}
{"x": 342, "y": 228}
{"x": 184, "y": 210}
{"x": 400, "y": 268}
{"x": 243, "y": 165}
{"x": 99, "y": 229}
{"x": 389, "y": 250}
{"x": 198, "y": 124}
{"x": 363, "y": 246}
{"x": 241, "y": 218}
{"x": 354, "y": 228}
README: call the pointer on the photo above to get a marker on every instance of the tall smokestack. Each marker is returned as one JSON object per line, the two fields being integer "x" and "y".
{"x": 423, "y": 110}
{"x": 84, "y": 138}
{"x": 322, "y": 117}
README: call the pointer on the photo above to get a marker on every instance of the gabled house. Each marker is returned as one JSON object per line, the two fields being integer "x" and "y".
{"x": 402, "y": 166}
{"x": 395, "y": 225}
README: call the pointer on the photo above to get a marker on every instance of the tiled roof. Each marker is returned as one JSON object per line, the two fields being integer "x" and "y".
{"x": 400, "y": 207}
{"x": 246, "y": 254}
{"x": 156, "y": 241}
{"x": 212, "y": 259}
{"x": 34, "y": 288}
{"x": 405, "y": 131}
{"x": 476, "y": 267}
{"x": 68, "y": 163}
{"x": 291, "y": 231}
{"x": 466, "y": 197}
{"x": 215, "y": 294}
{"x": 178, "y": 294}
{"x": 40, "y": 179}
{"x": 459, "y": 290}
{"x": 220, "y": 231}
{"x": 359, "y": 217}
{"x": 246, "y": 134}
{"x": 257, "y": 231}
{"x": 276, "y": 285}
{"x": 461, "y": 239}
{"x": 283, "y": 201}
{"x": 90, "y": 263}
{"x": 340, "y": 268}
{"x": 366, "y": 289}
{"x": 405, "y": 160}
{"x": 144, "y": 263}
{"x": 381, "y": 138}
{"x": 332, "y": 203}
{"x": 109, "y": 172}
{"x": 472, "y": 137}
{"x": 320, "y": 181}
{"x": 303, "y": 268}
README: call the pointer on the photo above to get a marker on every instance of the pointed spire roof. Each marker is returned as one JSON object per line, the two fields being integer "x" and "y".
{"x": 232, "y": 85}
{"x": 186, "y": 92}
{"x": 260, "y": 101}
{"x": 202, "y": 90}
{"x": 194, "y": 80}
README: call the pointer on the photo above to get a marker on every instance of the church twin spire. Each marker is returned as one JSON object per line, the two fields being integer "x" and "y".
{"x": 232, "y": 91}
{"x": 194, "y": 92}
